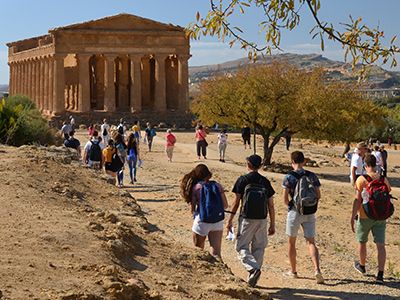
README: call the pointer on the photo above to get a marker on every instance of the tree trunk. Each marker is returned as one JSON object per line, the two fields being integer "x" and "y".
{"x": 267, "y": 151}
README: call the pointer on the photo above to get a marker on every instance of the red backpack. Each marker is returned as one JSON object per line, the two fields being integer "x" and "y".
{"x": 379, "y": 205}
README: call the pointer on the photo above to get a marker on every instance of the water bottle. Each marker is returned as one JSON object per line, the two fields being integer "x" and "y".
{"x": 365, "y": 196}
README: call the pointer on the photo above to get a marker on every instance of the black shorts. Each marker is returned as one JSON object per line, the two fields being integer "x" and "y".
{"x": 246, "y": 140}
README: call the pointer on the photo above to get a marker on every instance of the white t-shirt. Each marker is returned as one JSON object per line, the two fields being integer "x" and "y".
{"x": 222, "y": 138}
{"x": 357, "y": 161}
{"x": 105, "y": 126}
{"x": 378, "y": 156}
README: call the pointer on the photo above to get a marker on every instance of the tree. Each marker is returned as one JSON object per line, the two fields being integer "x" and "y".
{"x": 363, "y": 43}
{"x": 279, "y": 99}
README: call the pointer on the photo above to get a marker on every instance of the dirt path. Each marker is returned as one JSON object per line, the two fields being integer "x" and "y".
{"x": 157, "y": 191}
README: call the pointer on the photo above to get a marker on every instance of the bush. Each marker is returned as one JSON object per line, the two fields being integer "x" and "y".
{"x": 21, "y": 123}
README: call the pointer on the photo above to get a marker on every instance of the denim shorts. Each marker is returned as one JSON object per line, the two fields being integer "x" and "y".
{"x": 295, "y": 220}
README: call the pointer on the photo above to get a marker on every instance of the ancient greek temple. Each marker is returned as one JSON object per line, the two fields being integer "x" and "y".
{"x": 122, "y": 63}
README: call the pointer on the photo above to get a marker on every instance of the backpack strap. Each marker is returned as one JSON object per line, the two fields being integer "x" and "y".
{"x": 367, "y": 177}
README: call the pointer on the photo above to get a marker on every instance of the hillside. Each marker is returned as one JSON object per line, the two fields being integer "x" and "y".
{"x": 378, "y": 77}
{"x": 67, "y": 234}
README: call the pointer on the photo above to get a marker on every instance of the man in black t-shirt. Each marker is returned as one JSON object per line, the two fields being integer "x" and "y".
{"x": 252, "y": 236}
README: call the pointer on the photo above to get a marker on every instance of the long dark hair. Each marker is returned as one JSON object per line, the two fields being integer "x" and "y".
{"x": 132, "y": 143}
{"x": 199, "y": 173}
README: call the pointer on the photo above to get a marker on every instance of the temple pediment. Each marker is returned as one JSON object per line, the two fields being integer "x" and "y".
{"x": 121, "y": 22}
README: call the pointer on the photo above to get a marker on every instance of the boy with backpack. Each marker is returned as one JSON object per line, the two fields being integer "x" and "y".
{"x": 371, "y": 208}
{"x": 254, "y": 192}
{"x": 303, "y": 188}
{"x": 92, "y": 155}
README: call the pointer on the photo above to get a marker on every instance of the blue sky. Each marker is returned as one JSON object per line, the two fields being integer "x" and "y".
{"x": 26, "y": 18}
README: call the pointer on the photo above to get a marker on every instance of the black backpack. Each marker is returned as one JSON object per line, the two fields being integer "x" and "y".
{"x": 95, "y": 151}
{"x": 254, "y": 201}
{"x": 105, "y": 133}
{"x": 116, "y": 163}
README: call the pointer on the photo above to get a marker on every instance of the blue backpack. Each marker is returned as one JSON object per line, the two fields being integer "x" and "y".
{"x": 211, "y": 207}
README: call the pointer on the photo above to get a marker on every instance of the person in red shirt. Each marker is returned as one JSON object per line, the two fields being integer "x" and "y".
{"x": 201, "y": 143}
{"x": 170, "y": 144}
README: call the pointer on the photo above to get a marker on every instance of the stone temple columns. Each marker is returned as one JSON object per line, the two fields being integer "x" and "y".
{"x": 109, "y": 83}
{"x": 136, "y": 83}
{"x": 84, "y": 82}
{"x": 183, "y": 81}
{"x": 58, "y": 84}
{"x": 160, "y": 88}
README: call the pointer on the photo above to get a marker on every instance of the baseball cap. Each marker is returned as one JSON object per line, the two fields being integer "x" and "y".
{"x": 361, "y": 145}
{"x": 255, "y": 160}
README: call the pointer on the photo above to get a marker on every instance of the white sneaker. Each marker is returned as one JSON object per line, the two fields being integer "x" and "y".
{"x": 290, "y": 274}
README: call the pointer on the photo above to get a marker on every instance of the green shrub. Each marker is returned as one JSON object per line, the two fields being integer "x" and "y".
{"x": 21, "y": 123}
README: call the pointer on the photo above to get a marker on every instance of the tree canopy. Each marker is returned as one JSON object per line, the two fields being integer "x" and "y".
{"x": 364, "y": 44}
{"x": 279, "y": 100}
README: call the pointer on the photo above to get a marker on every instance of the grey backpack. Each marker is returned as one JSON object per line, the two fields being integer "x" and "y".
{"x": 305, "y": 195}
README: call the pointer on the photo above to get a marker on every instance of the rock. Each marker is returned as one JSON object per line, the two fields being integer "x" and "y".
{"x": 95, "y": 226}
{"x": 82, "y": 126}
{"x": 111, "y": 218}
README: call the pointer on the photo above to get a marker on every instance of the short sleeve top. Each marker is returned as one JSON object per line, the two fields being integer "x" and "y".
{"x": 252, "y": 177}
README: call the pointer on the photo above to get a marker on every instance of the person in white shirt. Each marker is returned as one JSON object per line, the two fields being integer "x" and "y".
{"x": 379, "y": 159}
{"x": 105, "y": 131}
{"x": 357, "y": 162}
{"x": 222, "y": 143}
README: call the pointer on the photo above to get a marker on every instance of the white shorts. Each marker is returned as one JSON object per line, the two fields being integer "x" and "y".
{"x": 295, "y": 220}
{"x": 203, "y": 229}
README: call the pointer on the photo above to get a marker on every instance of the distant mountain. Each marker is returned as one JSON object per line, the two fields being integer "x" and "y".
{"x": 3, "y": 89}
{"x": 336, "y": 70}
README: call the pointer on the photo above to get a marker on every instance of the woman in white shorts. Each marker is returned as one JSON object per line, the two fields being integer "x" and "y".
{"x": 191, "y": 186}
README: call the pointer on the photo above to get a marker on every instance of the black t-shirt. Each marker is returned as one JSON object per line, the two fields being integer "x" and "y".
{"x": 246, "y": 132}
{"x": 72, "y": 143}
{"x": 252, "y": 177}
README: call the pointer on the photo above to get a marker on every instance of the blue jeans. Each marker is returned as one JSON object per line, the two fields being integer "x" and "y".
{"x": 132, "y": 168}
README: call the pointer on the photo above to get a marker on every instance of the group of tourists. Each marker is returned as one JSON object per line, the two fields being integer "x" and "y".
{"x": 115, "y": 146}
{"x": 254, "y": 203}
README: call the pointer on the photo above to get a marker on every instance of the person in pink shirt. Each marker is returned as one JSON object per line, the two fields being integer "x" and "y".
{"x": 170, "y": 143}
{"x": 201, "y": 143}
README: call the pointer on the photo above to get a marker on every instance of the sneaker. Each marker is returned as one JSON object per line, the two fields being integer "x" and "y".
{"x": 359, "y": 268}
{"x": 131, "y": 182}
{"x": 134, "y": 179}
{"x": 319, "y": 278}
{"x": 379, "y": 279}
{"x": 291, "y": 274}
{"x": 254, "y": 276}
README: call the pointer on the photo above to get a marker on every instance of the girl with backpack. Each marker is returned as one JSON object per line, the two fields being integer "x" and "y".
{"x": 133, "y": 156}
{"x": 198, "y": 191}
{"x": 122, "y": 153}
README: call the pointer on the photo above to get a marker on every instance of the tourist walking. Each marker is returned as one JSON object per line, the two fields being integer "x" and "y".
{"x": 65, "y": 130}
{"x": 91, "y": 130}
{"x": 72, "y": 122}
{"x": 222, "y": 143}
{"x": 246, "y": 134}
{"x": 371, "y": 208}
{"x": 73, "y": 143}
{"x": 112, "y": 162}
{"x": 121, "y": 128}
{"x": 92, "y": 154}
{"x": 384, "y": 160}
{"x": 201, "y": 142}
{"x": 105, "y": 131}
{"x": 207, "y": 202}
{"x": 122, "y": 153}
{"x": 301, "y": 195}
{"x": 133, "y": 157}
{"x": 357, "y": 164}
{"x": 379, "y": 160}
{"x": 136, "y": 131}
{"x": 150, "y": 134}
{"x": 254, "y": 195}
{"x": 170, "y": 141}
